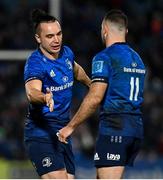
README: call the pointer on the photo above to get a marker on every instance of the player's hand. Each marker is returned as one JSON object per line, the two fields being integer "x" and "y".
{"x": 64, "y": 133}
{"x": 49, "y": 99}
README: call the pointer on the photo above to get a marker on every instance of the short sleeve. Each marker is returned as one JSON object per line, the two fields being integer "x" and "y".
{"x": 100, "y": 68}
{"x": 33, "y": 69}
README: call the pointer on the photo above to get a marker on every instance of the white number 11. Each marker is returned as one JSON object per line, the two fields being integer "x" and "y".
{"x": 134, "y": 82}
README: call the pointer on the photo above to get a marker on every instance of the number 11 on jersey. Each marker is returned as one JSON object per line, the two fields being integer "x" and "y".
{"x": 134, "y": 83}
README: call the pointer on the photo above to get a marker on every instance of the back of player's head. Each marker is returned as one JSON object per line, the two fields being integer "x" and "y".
{"x": 118, "y": 18}
{"x": 39, "y": 16}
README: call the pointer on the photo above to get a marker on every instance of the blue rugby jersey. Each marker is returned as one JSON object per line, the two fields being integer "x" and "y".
{"x": 57, "y": 75}
{"x": 122, "y": 68}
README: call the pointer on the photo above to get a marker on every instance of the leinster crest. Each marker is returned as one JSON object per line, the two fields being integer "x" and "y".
{"x": 69, "y": 63}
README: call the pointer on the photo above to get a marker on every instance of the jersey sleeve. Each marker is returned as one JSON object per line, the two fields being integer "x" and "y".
{"x": 101, "y": 68}
{"x": 33, "y": 69}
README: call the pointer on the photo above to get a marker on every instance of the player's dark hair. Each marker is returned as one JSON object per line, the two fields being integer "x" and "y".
{"x": 38, "y": 16}
{"x": 118, "y": 17}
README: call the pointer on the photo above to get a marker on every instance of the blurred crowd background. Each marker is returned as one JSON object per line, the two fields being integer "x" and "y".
{"x": 81, "y": 23}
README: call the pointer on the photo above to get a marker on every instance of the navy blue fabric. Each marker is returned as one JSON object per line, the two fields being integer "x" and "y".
{"x": 47, "y": 157}
{"x": 123, "y": 70}
{"x": 116, "y": 151}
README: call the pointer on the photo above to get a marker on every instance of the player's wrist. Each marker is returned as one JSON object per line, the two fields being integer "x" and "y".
{"x": 71, "y": 127}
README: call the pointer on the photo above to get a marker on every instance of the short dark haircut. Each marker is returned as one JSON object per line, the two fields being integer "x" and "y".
{"x": 118, "y": 17}
{"x": 39, "y": 16}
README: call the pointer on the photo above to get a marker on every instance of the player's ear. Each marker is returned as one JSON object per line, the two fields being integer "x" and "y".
{"x": 105, "y": 29}
{"x": 37, "y": 37}
{"x": 126, "y": 31}
{"x": 105, "y": 32}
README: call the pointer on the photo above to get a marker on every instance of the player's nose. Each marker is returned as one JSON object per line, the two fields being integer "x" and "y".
{"x": 56, "y": 39}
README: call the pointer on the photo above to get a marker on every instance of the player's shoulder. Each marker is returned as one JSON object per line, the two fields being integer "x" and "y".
{"x": 133, "y": 51}
{"x": 102, "y": 55}
{"x": 67, "y": 50}
{"x": 34, "y": 56}
{"x": 35, "y": 59}
{"x": 136, "y": 56}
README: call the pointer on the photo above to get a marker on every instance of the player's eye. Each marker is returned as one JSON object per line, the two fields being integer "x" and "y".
{"x": 59, "y": 33}
{"x": 49, "y": 36}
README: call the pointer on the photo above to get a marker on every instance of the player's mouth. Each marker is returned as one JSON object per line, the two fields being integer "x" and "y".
{"x": 55, "y": 47}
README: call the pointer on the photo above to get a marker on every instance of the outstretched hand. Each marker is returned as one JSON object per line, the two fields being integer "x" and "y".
{"x": 49, "y": 99}
{"x": 64, "y": 133}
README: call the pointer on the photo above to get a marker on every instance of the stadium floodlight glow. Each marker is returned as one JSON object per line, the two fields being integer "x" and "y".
{"x": 14, "y": 54}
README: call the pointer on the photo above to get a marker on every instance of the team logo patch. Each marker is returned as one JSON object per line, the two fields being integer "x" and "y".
{"x": 46, "y": 162}
{"x": 133, "y": 64}
{"x": 52, "y": 73}
{"x": 65, "y": 79}
{"x": 97, "y": 66}
{"x": 69, "y": 64}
